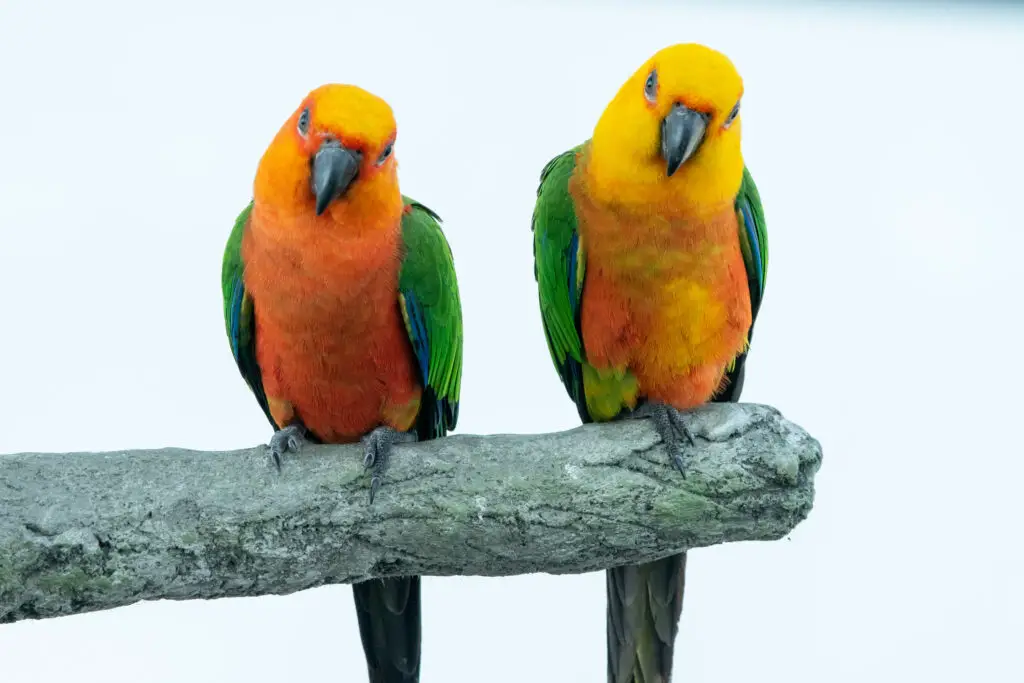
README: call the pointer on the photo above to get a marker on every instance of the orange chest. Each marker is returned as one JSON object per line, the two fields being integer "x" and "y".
{"x": 330, "y": 339}
{"x": 665, "y": 293}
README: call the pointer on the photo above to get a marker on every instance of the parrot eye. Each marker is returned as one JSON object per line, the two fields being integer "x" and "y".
{"x": 303, "y": 124}
{"x": 386, "y": 153}
{"x": 651, "y": 86}
{"x": 732, "y": 116}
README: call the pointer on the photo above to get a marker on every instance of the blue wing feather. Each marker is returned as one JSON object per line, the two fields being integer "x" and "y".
{"x": 238, "y": 292}
{"x": 417, "y": 331}
{"x": 755, "y": 245}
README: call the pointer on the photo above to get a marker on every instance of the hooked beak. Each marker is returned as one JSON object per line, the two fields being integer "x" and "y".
{"x": 334, "y": 169}
{"x": 682, "y": 131}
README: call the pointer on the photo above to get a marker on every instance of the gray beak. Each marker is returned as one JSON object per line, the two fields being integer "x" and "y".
{"x": 334, "y": 169}
{"x": 682, "y": 131}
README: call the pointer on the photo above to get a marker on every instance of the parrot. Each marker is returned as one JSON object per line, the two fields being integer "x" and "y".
{"x": 650, "y": 256}
{"x": 342, "y": 310}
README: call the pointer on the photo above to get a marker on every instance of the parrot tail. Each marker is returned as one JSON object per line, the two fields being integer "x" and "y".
{"x": 389, "y": 624}
{"x": 644, "y": 604}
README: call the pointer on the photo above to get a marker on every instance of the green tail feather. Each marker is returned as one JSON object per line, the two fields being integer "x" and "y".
{"x": 389, "y": 624}
{"x": 644, "y": 604}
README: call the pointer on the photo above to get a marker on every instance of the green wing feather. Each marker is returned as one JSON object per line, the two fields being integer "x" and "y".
{"x": 428, "y": 294}
{"x": 429, "y": 299}
{"x": 753, "y": 239}
{"x": 559, "y": 268}
{"x": 239, "y": 321}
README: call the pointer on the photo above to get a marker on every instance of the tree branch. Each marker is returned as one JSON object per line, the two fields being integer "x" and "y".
{"x": 89, "y": 531}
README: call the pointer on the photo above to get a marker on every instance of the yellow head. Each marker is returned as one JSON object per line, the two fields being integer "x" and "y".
{"x": 333, "y": 155}
{"x": 671, "y": 136}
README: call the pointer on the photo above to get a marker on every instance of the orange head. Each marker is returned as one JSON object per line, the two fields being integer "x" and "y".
{"x": 671, "y": 136}
{"x": 332, "y": 160}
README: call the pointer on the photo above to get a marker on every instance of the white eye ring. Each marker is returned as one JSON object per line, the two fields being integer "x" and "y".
{"x": 732, "y": 116}
{"x": 303, "y": 124}
{"x": 651, "y": 86}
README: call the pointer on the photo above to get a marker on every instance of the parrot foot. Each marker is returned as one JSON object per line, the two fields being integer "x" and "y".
{"x": 291, "y": 438}
{"x": 377, "y": 453}
{"x": 672, "y": 428}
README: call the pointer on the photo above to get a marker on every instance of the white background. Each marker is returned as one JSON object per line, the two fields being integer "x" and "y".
{"x": 887, "y": 145}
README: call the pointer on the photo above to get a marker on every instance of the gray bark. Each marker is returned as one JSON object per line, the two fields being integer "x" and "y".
{"x": 89, "y": 531}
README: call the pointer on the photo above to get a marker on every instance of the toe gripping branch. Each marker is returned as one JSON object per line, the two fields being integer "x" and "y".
{"x": 290, "y": 439}
{"x": 377, "y": 447}
{"x": 671, "y": 426}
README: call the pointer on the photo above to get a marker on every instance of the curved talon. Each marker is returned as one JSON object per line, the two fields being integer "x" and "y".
{"x": 677, "y": 460}
{"x": 680, "y": 424}
{"x": 377, "y": 453}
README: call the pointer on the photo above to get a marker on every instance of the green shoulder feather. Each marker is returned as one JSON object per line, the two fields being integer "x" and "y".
{"x": 559, "y": 268}
{"x": 239, "y": 321}
{"x": 753, "y": 238}
{"x": 429, "y": 299}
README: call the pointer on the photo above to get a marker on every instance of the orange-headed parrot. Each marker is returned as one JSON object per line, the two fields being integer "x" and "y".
{"x": 650, "y": 257}
{"x": 343, "y": 314}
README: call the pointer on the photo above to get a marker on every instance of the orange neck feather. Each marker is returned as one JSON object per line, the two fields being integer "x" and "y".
{"x": 642, "y": 244}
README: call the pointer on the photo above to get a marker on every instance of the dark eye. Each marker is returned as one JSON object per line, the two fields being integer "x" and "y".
{"x": 651, "y": 86}
{"x": 303, "y": 125}
{"x": 732, "y": 116}
{"x": 385, "y": 153}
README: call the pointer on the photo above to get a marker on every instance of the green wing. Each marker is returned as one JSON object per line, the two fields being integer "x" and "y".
{"x": 559, "y": 268}
{"x": 753, "y": 239}
{"x": 239, "y": 321}
{"x": 429, "y": 298}
{"x": 754, "y": 246}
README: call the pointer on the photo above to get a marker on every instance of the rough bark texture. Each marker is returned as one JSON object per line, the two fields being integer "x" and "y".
{"x": 90, "y": 531}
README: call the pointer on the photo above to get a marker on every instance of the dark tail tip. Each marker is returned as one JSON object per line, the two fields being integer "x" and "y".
{"x": 389, "y": 625}
{"x": 644, "y": 605}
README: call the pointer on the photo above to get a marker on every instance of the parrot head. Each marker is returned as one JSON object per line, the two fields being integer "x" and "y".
{"x": 334, "y": 155}
{"x": 673, "y": 130}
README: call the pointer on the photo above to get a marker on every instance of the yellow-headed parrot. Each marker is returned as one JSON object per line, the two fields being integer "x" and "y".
{"x": 650, "y": 257}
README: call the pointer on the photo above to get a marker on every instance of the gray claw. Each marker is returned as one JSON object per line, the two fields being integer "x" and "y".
{"x": 377, "y": 453}
{"x": 291, "y": 438}
{"x": 672, "y": 428}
